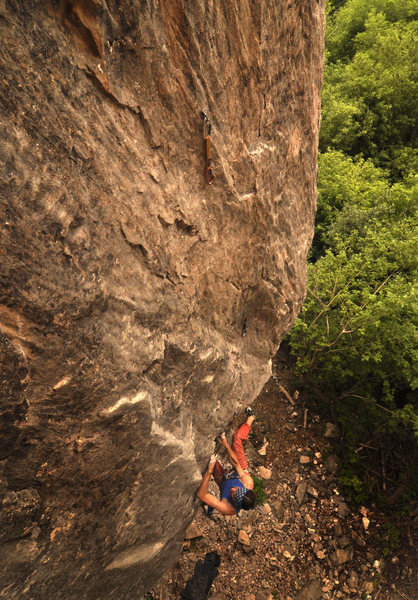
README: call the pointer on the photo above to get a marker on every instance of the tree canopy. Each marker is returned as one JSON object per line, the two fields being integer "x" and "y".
{"x": 356, "y": 337}
{"x": 370, "y": 84}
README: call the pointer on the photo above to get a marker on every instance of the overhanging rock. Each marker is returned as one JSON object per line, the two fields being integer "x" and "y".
{"x": 125, "y": 278}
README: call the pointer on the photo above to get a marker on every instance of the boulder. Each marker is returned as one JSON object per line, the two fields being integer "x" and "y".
{"x": 358, "y": 539}
{"x": 368, "y": 587}
{"x": 265, "y": 509}
{"x": 300, "y": 492}
{"x": 243, "y": 538}
{"x": 353, "y": 581}
{"x": 312, "y": 491}
{"x": 278, "y": 509}
{"x": 331, "y": 463}
{"x": 264, "y": 472}
{"x": 312, "y": 590}
{"x": 192, "y": 532}
{"x": 342, "y": 555}
{"x": 264, "y": 595}
{"x": 331, "y": 430}
{"x": 343, "y": 510}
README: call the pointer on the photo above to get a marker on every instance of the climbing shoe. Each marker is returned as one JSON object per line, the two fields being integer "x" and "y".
{"x": 249, "y": 411}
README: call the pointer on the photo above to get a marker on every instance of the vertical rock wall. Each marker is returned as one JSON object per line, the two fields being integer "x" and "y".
{"x": 124, "y": 277}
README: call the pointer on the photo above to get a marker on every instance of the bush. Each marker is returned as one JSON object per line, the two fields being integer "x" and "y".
{"x": 260, "y": 494}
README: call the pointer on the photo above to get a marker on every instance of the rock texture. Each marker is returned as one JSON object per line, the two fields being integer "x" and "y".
{"x": 124, "y": 278}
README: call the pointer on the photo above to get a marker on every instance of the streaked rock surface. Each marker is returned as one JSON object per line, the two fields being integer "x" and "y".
{"x": 124, "y": 278}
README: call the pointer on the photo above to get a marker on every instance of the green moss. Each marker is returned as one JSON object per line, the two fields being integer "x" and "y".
{"x": 260, "y": 494}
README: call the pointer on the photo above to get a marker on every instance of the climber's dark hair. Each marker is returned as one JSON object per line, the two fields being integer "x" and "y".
{"x": 248, "y": 501}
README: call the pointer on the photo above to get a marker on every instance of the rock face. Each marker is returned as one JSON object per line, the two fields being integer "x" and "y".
{"x": 124, "y": 277}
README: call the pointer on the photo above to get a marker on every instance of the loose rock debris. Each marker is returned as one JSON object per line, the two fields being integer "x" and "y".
{"x": 305, "y": 541}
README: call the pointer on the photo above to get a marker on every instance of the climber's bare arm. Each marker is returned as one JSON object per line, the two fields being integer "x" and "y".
{"x": 223, "y": 506}
{"x": 247, "y": 481}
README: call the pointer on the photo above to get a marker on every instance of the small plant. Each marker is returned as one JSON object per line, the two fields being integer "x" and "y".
{"x": 194, "y": 543}
{"x": 260, "y": 494}
{"x": 354, "y": 487}
{"x": 391, "y": 539}
{"x": 193, "y": 546}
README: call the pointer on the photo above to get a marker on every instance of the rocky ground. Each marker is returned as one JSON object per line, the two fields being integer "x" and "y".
{"x": 305, "y": 541}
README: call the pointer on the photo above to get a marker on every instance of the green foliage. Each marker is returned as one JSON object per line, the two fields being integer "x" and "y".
{"x": 356, "y": 337}
{"x": 370, "y": 84}
{"x": 360, "y": 314}
{"x": 344, "y": 183}
{"x": 388, "y": 538}
{"x": 260, "y": 494}
{"x": 357, "y": 332}
{"x": 354, "y": 487}
{"x": 392, "y": 538}
{"x": 351, "y": 20}
{"x": 194, "y": 545}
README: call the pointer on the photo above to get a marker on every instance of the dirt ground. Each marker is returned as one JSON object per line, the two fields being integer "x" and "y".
{"x": 307, "y": 542}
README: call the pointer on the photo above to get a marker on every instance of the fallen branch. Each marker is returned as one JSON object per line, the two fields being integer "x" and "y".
{"x": 382, "y": 461}
{"x": 400, "y": 593}
{"x": 377, "y": 474}
{"x": 366, "y": 445}
{"x": 286, "y": 393}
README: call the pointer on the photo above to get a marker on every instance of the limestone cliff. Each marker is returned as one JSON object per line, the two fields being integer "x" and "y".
{"x": 124, "y": 277}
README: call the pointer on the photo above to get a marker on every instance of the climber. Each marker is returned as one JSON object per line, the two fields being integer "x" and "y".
{"x": 207, "y": 130}
{"x": 236, "y": 489}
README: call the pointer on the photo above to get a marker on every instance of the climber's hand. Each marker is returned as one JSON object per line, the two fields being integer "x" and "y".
{"x": 222, "y": 439}
{"x": 212, "y": 462}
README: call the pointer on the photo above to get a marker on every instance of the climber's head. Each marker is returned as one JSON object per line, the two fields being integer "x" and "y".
{"x": 248, "y": 501}
{"x": 243, "y": 498}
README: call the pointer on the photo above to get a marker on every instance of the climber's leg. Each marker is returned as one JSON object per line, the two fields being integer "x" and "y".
{"x": 240, "y": 435}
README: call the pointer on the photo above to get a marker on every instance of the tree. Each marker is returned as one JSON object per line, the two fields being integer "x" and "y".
{"x": 361, "y": 315}
{"x": 356, "y": 336}
{"x": 370, "y": 85}
{"x": 347, "y": 19}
